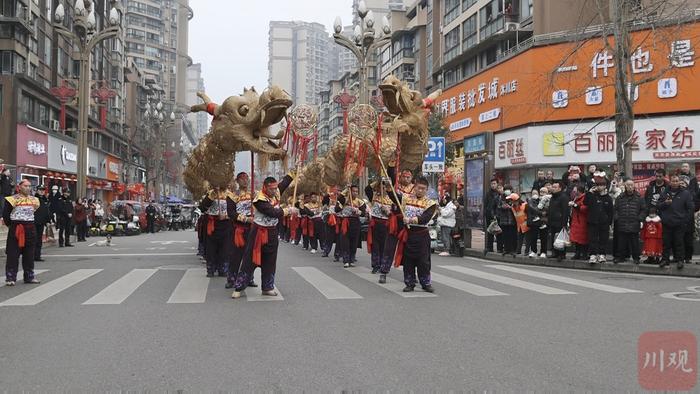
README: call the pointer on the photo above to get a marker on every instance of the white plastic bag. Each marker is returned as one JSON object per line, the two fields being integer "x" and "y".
{"x": 562, "y": 240}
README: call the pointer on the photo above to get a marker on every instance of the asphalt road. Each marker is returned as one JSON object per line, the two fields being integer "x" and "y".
{"x": 140, "y": 315}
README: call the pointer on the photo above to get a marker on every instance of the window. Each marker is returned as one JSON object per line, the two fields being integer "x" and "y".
{"x": 466, "y": 4}
{"x": 429, "y": 66}
{"x": 0, "y": 99}
{"x": 8, "y": 7}
{"x": 491, "y": 18}
{"x": 452, "y": 44}
{"x": 47, "y": 51}
{"x": 469, "y": 68}
{"x": 451, "y": 10}
{"x": 469, "y": 32}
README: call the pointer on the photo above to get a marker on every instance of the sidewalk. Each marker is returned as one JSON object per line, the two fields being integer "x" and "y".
{"x": 477, "y": 251}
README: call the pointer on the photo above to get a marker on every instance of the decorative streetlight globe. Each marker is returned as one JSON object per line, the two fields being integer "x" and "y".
{"x": 362, "y": 9}
{"x": 172, "y": 116}
{"x": 60, "y": 13}
{"x": 370, "y": 19}
{"x": 338, "y": 25}
{"x": 114, "y": 17}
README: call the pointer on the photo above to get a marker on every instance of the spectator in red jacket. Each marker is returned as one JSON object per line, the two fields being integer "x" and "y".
{"x": 579, "y": 224}
{"x": 80, "y": 218}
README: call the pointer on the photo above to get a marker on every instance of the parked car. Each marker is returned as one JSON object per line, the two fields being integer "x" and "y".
{"x": 159, "y": 224}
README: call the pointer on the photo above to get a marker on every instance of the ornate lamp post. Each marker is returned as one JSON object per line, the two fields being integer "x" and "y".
{"x": 85, "y": 36}
{"x": 156, "y": 120}
{"x": 363, "y": 44}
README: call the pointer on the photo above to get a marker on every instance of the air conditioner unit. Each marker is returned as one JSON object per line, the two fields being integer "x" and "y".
{"x": 55, "y": 125}
{"x": 512, "y": 26}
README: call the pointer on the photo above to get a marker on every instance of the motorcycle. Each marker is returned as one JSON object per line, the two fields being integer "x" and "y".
{"x": 434, "y": 231}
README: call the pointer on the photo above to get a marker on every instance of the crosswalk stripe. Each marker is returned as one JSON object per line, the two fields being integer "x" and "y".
{"x": 120, "y": 290}
{"x": 563, "y": 279}
{"x": 192, "y": 288}
{"x": 255, "y": 294}
{"x": 329, "y": 287}
{"x": 464, "y": 286}
{"x": 507, "y": 281}
{"x": 391, "y": 285}
{"x": 36, "y": 272}
{"x": 49, "y": 289}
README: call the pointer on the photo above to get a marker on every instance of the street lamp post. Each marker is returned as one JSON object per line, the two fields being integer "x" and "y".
{"x": 363, "y": 44}
{"x": 86, "y": 36}
{"x": 154, "y": 116}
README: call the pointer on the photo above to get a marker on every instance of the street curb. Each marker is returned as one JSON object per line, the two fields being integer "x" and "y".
{"x": 691, "y": 271}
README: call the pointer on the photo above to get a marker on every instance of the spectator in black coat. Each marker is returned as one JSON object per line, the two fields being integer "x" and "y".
{"x": 676, "y": 206}
{"x": 557, "y": 215}
{"x": 692, "y": 180}
{"x": 7, "y": 187}
{"x": 41, "y": 217}
{"x": 540, "y": 181}
{"x": 590, "y": 182}
{"x": 506, "y": 219}
{"x": 656, "y": 188}
{"x": 600, "y": 217}
{"x": 689, "y": 228}
{"x": 630, "y": 212}
{"x": 489, "y": 209}
{"x": 64, "y": 217}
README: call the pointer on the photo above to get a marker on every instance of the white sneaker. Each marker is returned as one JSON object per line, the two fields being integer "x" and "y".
{"x": 313, "y": 251}
{"x": 346, "y": 265}
{"x": 601, "y": 259}
{"x": 443, "y": 254}
{"x": 593, "y": 259}
{"x": 532, "y": 255}
{"x": 543, "y": 256}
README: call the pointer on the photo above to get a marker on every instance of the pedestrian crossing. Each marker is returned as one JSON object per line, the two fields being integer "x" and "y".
{"x": 329, "y": 282}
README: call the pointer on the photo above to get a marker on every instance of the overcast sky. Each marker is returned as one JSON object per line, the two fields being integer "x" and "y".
{"x": 230, "y": 39}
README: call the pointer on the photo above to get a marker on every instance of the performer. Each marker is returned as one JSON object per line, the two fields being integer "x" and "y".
{"x": 243, "y": 201}
{"x": 18, "y": 214}
{"x": 295, "y": 223}
{"x": 330, "y": 223}
{"x": 395, "y": 221}
{"x": 261, "y": 246}
{"x": 201, "y": 228}
{"x": 314, "y": 223}
{"x": 380, "y": 207}
{"x": 220, "y": 207}
{"x": 349, "y": 209}
{"x": 413, "y": 249}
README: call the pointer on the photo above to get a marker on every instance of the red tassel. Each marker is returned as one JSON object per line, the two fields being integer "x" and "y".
{"x": 345, "y": 122}
{"x": 62, "y": 119}
{"x": 398, "y": 257}
{"x": 103, "y": 116}
{"x": 285, "y": 139}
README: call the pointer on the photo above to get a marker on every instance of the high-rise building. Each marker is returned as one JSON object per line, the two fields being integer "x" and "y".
{"x": 299, "y": 55}
{"x": 156, "y": 41}
{"x": 34, "y": 58}
{"x": 195, "y": 83}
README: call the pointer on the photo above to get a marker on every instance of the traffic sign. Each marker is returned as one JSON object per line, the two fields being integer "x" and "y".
{"x": 436, "y": 150}
{"x": 431, "y": 166}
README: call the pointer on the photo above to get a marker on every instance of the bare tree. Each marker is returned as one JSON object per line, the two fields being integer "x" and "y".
{"x": 660, "y": 23}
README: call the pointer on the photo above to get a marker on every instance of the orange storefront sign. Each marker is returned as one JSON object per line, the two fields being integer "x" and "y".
{"x": 113, "y": 168}
{"x": 574, "y": 81}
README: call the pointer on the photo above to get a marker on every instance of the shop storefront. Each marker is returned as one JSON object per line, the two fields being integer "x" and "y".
{"x": 32, "y": 154}
{"x": 62, "y": 164}
{"x": 657, "y": 142}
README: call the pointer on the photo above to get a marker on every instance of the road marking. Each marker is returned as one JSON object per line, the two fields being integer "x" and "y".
{"x": 257, "y": 296}
{"x": 391, "y": 285}
{"x": 36, "y": 272}
{"x": 120, "y": 290}
{"x": 50, "y": 289}
{"x": 121, "y": 255}
{"x": 507, "y": 281}
{"x": 329, "y": 287}
{"x": 464, "y": 286}
{"x": 170, "y": 242}
{"x": 692, "y": 291}
{"x": 192, "y": 288}
{"x": 564, "y": 279}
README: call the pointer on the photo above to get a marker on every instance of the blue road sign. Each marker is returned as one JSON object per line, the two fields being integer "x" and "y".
{"x": 436, "y": 150}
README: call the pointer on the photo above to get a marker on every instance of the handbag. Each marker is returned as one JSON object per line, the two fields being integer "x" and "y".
{"x": 562, "y": 240}
{"x": 494, "y": 228}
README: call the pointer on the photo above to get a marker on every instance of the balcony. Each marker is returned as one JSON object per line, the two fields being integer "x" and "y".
{"x": 22, "y": 19}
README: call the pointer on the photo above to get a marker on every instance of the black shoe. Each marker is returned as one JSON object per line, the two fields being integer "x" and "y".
{"x": 39, "y": 259}
{"x": 336, "y": 259}
{"x": 679, "y": 265}
{"x": 60, "y": 246}
{"x": 636, "y": 262}
{"x": 486, "y": 252}
{"x": 375, "y": 270}
{"x": 650, "y": 260}
{"x": 616, "y": 261}
{"x": 229, "y": 285}
{"x": 664, "y": 263}
{"x": 382, "y": 278}
{"x": 408, "y": 289}
{"x": 324, "y": 254}
{"x": 69, "y": 245}
{"x": 252, "y": 284}
{"x": 209, "y": 275}
{"x": 429, "y": 288}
